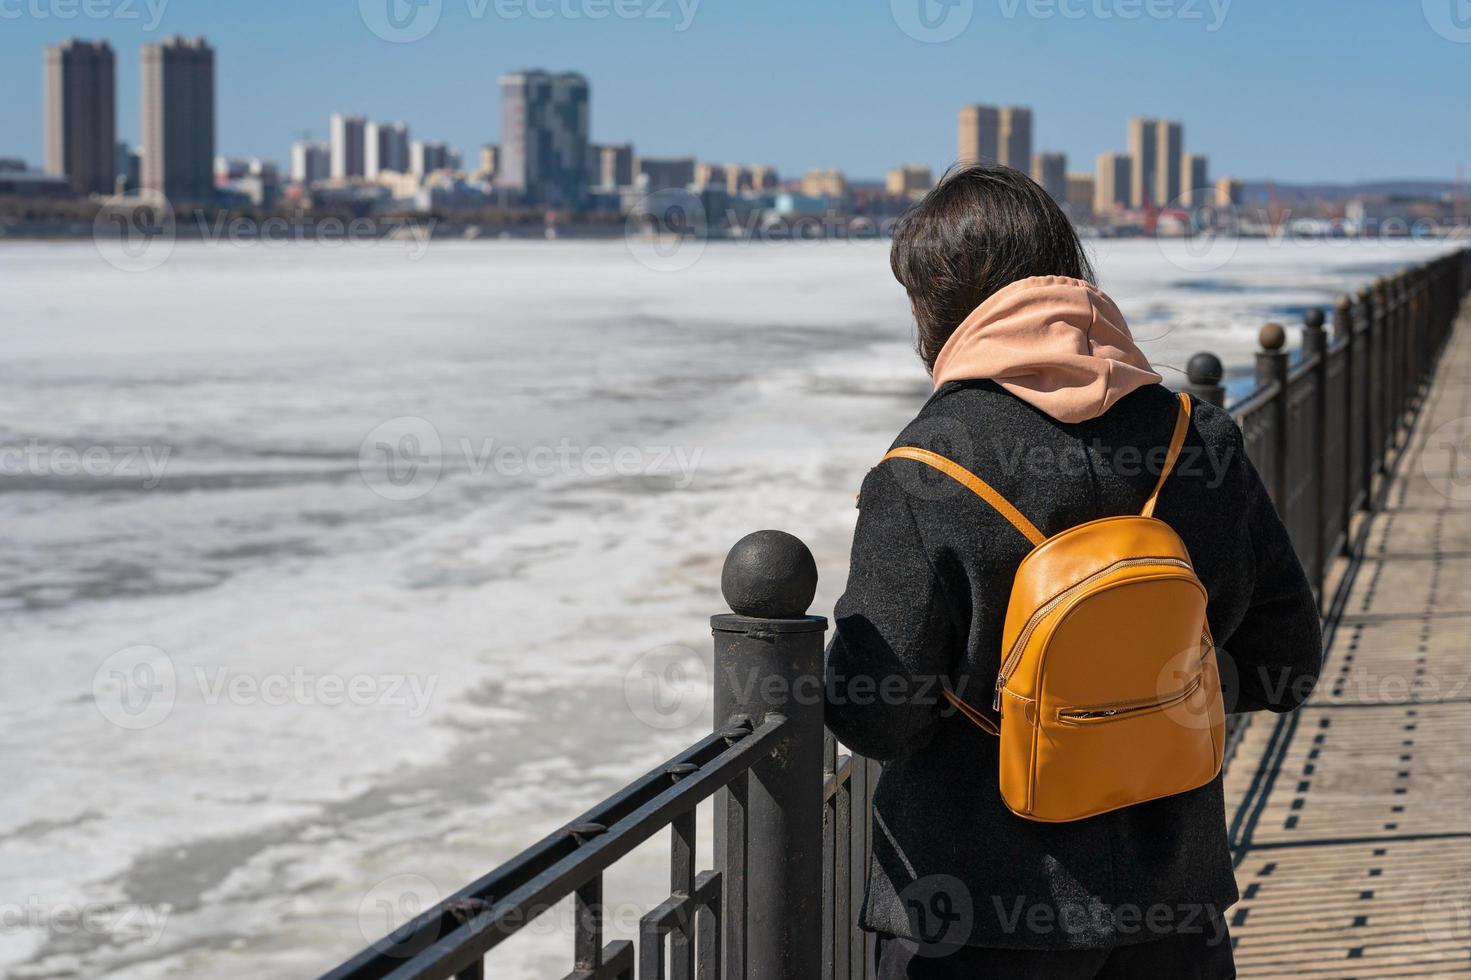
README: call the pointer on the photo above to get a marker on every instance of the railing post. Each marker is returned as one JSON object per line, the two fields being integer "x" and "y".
{"x": 1401, "y": 293}
{"x": 1271, "y": 366}
{"x": 1343, "y": 334}
{"x": 768, "y": 838}
{"x": 1364, "y": 348}
{"x": 1204, "y": 372}
{"x": 1378, "y": 375}
{"x": 1315, "y": 344}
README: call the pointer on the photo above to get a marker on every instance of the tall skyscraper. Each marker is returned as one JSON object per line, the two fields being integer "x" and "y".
{"x": 1016, "y": 138}
{"x": 545, "y": 121}
{"x": 490, "y": 161}
{"x": 385, "y": 149}
{"x": 707, "y": 174}
{"x": 81, "y": 115}
{"x": 348, "y": 146}
{"x": 652, "y": 174}
{"x": 764, "y": 177}
{"x": 1082, "y": 190}
{"x": 1229, "y": 192}
{"x": 979, "y": 136}
{"x": 310, "y": 162}
{"x": 825, "y": 183}
{"x": 1143, "y": 147}
{"x": 1169, "y": 161}
{"x": 1113, "y": 184}
{"x": 425, "y": 158}
{"x": 1197, "y": 171}
{"x": 178, "y": 119}
{"x": 910, "y": 180}
{"x": 739, "y": 178}
{"x": 1050, "y": 170}
{"x": 614, "y": 165}
{"x": 129, "y": 168}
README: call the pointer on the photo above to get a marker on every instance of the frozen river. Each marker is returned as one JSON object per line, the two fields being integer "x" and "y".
{"x": 334, "y": 576}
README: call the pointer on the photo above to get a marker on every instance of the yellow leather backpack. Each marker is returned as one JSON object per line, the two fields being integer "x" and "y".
{"x": 1108, "y": 693}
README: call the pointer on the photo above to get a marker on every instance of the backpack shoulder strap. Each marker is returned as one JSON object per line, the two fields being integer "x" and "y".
{"x": 973, "y": 483}
{"x": 1182, "y": 423}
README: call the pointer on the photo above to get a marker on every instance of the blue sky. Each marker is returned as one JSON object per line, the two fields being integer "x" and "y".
{"x": 1297, "y": 90}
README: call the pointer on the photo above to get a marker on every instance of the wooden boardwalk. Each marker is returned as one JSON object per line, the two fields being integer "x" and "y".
{"x": 1352, "y": 817}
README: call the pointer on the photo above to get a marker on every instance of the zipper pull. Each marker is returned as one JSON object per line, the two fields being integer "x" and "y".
{"x": 996, "y": 701}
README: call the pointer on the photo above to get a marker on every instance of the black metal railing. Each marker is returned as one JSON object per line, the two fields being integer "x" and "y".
{"x": 1322, "y": 431}
{"x": 792, "y": 815}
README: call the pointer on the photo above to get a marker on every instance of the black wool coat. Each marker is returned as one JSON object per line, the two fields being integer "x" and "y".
{"x": 930, "y": 578}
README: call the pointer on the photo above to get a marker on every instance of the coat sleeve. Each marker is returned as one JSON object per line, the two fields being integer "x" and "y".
{"x": 894, "y": 639}
{"x": 1272, "y": 659}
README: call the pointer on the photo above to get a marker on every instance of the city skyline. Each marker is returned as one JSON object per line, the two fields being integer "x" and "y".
{"x": 669, "y": 108}
{"x": 545, "y": 156}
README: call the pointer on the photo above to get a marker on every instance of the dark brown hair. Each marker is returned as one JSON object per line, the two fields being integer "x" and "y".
{"x": 981, "y": 228}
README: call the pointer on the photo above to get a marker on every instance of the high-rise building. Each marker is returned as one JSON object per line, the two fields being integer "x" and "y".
{"x": 1050, "y": 170}
{"x": 653, "y": 174}
{"x": 1113, "y": 183}
{"x": 738, "y": 179}
{"x": 764, "y": 178}
{"x": 614, "y": 166}
{"x": 426, "y": 158}
{"x": 1198, "y": 192}
{"x": 1169, "y": 161}
{"x": 490, "y": 161}
{"x": 1081, "y": 190}
{"x": 310, "y": 162}
{"x": 825, "y": 183}
{"x": 979, "y": 138}
{"x": 385, "y": 149}
{"x": 129, "y": 169}
{"x": 909, "y": 180}
{"x": 178, "y": 119}
{"x": 1016, "y": 138}
{"x": 230, "y": 168}
{"x": 707, "y": 174}
{"x": 81, "y": 115}
{"x": 348, "y": 146}
{"x": 1143, "y": 147}
{"x": 1228, "y": 192}
{"x": 545, "y": 120}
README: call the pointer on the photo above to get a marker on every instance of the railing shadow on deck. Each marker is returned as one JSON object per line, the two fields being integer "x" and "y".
{"x": 792, "y": 814}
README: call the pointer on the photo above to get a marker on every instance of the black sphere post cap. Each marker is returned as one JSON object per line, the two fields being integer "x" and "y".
{"x": 1205, "y": 370}
{"x": 1272, "y": 337}
{"x": 769, "y": 575}
{"x": 1314, "y": 319}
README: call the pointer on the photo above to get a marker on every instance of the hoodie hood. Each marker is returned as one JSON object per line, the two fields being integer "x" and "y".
{"x": 1057, "y": 343}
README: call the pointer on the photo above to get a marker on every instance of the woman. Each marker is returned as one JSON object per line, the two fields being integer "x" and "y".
{"x": 1041, "y": 392}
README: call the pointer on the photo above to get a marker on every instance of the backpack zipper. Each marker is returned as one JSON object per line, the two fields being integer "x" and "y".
{"x": 1009, "y": 664}
{"x": 1115, "y": 711}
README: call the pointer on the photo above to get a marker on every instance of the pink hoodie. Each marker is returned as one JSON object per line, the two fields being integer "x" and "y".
{"x": 1059, "y": 344}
